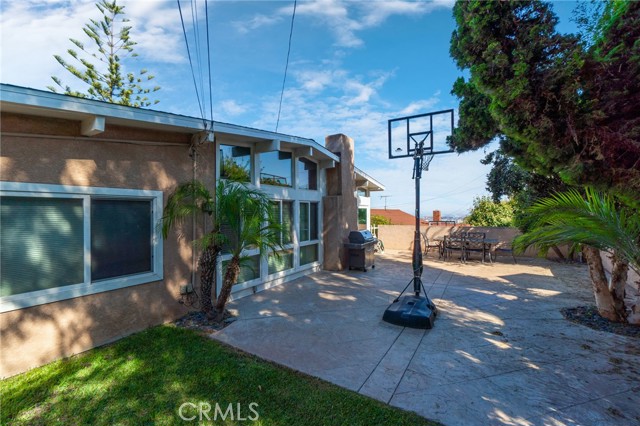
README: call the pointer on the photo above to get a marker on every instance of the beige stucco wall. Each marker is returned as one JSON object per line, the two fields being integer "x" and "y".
{"x": 400, "y": 237}
{"x": 40, "y": 334}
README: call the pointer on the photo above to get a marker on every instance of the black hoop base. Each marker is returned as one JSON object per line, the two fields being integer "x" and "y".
{"x": 411, "y": 311}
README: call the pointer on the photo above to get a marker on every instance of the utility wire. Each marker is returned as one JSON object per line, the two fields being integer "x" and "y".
{"x": 286, "y": 67}
{"x": 206, "y": 12}
{"x": 196, "y": 34}
{"x": 186, "y": 41}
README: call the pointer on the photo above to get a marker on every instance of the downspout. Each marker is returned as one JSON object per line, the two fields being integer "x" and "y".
{"x": 194, "y": 161}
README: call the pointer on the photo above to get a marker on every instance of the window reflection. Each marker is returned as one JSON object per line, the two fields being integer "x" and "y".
{"x": 275, "y": 168}
{"x": 235, "y": 163}
{"x": 307, "y": 174}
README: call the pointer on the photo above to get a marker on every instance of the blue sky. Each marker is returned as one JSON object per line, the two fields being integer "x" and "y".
{"x": 353, "y": 66}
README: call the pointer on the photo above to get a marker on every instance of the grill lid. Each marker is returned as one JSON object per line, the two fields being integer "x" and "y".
{"x": 360, "y": 237}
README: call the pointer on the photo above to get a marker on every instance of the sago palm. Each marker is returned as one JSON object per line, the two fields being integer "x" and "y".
{"x": 599, "y": 222}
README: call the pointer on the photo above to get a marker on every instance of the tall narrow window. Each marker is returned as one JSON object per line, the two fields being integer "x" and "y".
{"x": 235, "y": 163}
{"x": 307, "y": 174}
{"x": 276, "y": 168}
{"x": 362, "y": 218}
{"x": 283, "y": 213}
{"x": 308, "y": 221}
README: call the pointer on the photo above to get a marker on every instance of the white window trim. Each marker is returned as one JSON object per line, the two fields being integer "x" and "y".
{"x": 39, "y": 297}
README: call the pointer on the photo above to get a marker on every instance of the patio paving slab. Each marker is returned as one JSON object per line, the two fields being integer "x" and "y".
{"x": 500, "y": 352}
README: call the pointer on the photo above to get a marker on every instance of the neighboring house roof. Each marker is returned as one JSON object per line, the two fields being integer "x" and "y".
{"x": 397, "y": 217}
{"x": 94, "y": 114}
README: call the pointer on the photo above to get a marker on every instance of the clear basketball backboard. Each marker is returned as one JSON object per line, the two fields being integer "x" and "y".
{"x": 432, "y": 129}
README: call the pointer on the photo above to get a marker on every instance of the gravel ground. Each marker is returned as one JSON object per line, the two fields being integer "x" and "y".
{"x": 199, "y": 321}
{"x": 588, "y": 315}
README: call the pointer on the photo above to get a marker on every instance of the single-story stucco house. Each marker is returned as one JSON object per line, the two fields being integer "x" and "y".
{"x": 83, "y": 184}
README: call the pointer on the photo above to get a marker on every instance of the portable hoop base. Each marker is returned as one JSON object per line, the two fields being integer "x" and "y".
{"x": 411, "y": 311}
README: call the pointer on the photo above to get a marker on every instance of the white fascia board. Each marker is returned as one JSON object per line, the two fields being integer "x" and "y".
{"x": 249, "y": 132}
{"x": 24, "y": 100}
{"x": 31, "y": 101}
{"x": 371, "y": 183}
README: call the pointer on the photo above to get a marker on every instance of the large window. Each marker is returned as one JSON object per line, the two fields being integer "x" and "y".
{"x": 59, "y": 242}
{"x": 249, "y": 269}
{"x": 235, "y": 163}
{"x": 307, "y": 174}
{"x": 281, "y": 261}
{"x": 275, "y": 168}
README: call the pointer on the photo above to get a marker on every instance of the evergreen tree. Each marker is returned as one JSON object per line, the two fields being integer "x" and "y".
{"x": 107, "y": 79}
{"x": 559, "y": 106}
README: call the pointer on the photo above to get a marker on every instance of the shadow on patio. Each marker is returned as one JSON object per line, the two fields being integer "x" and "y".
{"x": 499, "y": 353}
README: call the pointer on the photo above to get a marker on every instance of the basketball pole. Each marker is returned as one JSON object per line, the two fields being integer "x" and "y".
{"x": 415, "y": 310}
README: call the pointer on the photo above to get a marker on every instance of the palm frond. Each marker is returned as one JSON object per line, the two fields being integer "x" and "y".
{"x": 187, "y": 199}
{"x": 594, "y": 219}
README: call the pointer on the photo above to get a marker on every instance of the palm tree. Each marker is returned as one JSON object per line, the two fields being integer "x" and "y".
{"x": 247, "y": 222}
{"x": 189, "y": 199}
{"x": 241, "y": 218}
{"x": 599, "y": 222}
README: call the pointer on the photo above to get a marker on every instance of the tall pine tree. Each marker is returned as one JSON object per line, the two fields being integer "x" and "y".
{"x": 106, "y": 79}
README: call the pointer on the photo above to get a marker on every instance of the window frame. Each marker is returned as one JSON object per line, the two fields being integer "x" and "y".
{"x": 87, "y": 287}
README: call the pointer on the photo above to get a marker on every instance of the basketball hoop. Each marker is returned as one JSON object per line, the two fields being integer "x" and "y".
{"x": 420, "y": 137}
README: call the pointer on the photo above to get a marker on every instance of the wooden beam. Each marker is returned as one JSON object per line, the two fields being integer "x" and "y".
{"x": 92, "y": 126}
{"x": 305, "y": 151}
{"x": 273, "y": 145}
{"x": 327, "y": 164}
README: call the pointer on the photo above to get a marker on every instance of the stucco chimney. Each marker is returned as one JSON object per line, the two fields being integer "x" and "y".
{"x": 340, "y": 211}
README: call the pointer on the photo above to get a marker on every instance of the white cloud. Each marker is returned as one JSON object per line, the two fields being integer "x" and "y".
{"x": 344, "y": 19}
{"x": 232, "y": 108}
{"x": 258, "y": 21}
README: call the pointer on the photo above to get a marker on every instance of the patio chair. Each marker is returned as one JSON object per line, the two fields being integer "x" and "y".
{"x": 474, "y": 243}
{"x": 430, "y": 243}
{"x": 454, "y": 242}
{"x": 503, "y": 247}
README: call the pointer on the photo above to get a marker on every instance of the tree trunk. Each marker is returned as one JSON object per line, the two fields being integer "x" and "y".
{"x": 558, "y": 253}
{"x": 230, "y": 278}
{"x": 604, "y": 299}
{"x": 634, "y": 315}
{"x": 207, "y": 264}
{"x": 619, "y": 273}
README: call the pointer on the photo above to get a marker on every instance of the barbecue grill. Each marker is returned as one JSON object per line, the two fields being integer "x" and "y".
{"x": 361, "y": 250}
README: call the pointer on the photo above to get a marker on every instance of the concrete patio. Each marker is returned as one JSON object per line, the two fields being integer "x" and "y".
{"x": 500, "y": 352}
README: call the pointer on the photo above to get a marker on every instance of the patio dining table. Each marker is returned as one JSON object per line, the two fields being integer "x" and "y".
{"x": 489, "y": 244}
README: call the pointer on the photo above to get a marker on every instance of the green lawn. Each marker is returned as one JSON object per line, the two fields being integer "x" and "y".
{"x": 144, "y": 379}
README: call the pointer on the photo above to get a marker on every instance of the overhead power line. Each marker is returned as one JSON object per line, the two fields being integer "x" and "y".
{"x": 186, "y": 42}
{"x": 286, "y": 67}
{"x": 206, "y": 12}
